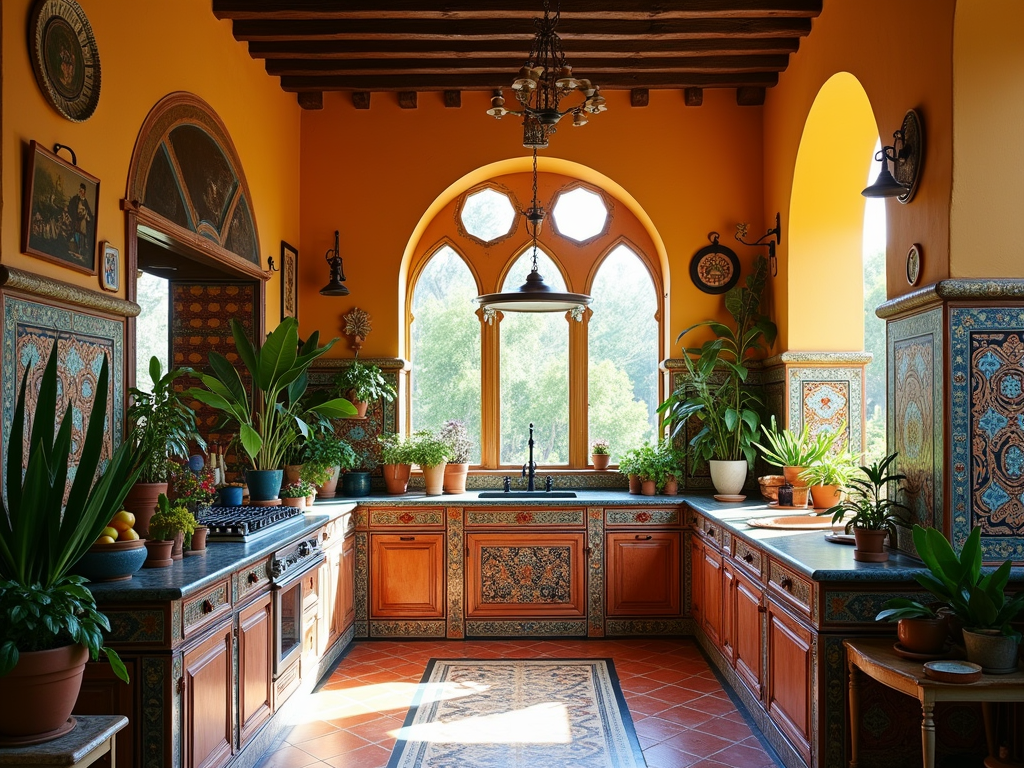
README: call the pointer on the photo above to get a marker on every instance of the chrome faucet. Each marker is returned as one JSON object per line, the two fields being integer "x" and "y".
{"x": 530, "y": 468}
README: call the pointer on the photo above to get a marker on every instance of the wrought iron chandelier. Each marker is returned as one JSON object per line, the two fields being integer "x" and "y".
{"x": 543, "y": 82}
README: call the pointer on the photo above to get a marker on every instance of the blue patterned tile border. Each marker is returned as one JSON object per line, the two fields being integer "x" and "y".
{"x": 456, "y": 574}
{"x": 826, "y": 397}
{"x": 552, "y": 628}
{"x": 987, "y": 428}
{"x": 595, "y": 568}
{"x": 621, "y": 627}
{"x": 410, "y": 628}
{"x": 361, "y": 586}
{"x": 842, "y": 607}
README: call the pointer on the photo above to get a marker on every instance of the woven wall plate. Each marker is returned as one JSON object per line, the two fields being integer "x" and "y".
{"x": 914, "y": 264}
{"x": 65, "y": 58}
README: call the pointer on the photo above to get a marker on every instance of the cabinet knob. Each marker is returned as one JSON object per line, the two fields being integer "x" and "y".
{"x": 762, "y": 609}
{"x": 786, "y": 583}
{"x": 327, "y": 536}
{"x": 207, "y": 606}
{"x": 638, "y": 537}
{"x": 253, "y": 577}
{"x": 748, "y": 557}
{"x": 710, "y": 531}
{"x": 407, "y": 538}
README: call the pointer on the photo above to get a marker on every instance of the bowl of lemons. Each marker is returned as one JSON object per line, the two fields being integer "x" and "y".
{"x": 117, "y": 554}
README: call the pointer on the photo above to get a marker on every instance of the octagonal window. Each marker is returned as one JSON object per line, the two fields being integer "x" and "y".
{"x": 580, "y": 214}
{"x": 488, "y": 215}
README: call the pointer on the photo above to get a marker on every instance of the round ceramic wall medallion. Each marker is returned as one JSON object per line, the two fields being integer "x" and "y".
{"x": 914, "y": 264}
{"x": 65, "y": 58}
{"x": 715, "y": 268}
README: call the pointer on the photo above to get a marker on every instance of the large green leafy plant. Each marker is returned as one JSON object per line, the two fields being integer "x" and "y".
{"x": 714, "y": 393}
{"x": 869, "y": 503}
{"x": 42, "y": 536}
{"x": 788, "y": 449}
{"x": 277, "y": 414}
{"x": 367, "y": 382}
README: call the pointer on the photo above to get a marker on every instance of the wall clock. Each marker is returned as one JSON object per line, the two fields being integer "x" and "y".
{"x": 714, "y": 268}
{"x": 914, "y": 264}
{"x": 65, "y": 58}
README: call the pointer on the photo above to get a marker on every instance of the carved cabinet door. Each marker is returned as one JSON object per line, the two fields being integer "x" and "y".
{"x": 208, "y": 711}
{"x": 642, "y": 573}
{"x": 407, "y": 575}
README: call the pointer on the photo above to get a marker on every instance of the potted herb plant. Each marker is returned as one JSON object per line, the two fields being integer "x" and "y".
{"x": 671, "y": 464}
{"x": 175, "y": 523}
{"x": 277, "y": 414}
{"x": 431, "y": 453}
{"x": 919, "y": 628}
{"x": 294, "y": 495}
{"x": 793, "y": 452}
{"x": 649, "y": 469}
{"x": 363, "y": 384}
{"x": 454, "y": 434}
{"x": 323, "y": 459}
{"x": 629, "y": 465}
{"x": 828, "y": 476}
{"x": 977, "y": 600}
{"x": 395, "y": 462}
{"x": 875, "y": 512}
{"x": 714, "y": 395}
{"x": 600, "y": 454}
{"x": 161, "y": 423}
{"x": 49, "y": 624}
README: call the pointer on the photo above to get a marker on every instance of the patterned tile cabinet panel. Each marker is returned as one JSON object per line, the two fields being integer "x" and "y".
{"x": 915, "y": 391}
{"x": 986, "y": 348}
{"x": 30, "y": 328}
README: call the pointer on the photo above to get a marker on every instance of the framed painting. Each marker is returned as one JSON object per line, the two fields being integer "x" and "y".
{"x": 110, "y": 274}
{"x": 289, "y": 281}
{"x": 59, "y": 211}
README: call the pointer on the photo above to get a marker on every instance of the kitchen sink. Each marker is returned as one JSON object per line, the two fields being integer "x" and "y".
{"x": 527, "y": 495}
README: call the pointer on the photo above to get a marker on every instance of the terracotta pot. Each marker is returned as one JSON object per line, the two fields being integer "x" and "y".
{"x": 994, "y": 651}
{"x": 37, "y": 697}
{"x": 294, "y": 501}
{"x": 648, "y": 487}
{"x": 396, "y": 477}
{"x": 634, "y": 483}
{"x": 792, "y": 475}
{"x": 433, "y": 479}
{"x": 800, "y": 494}
{"x": 292, "y": 473}
{"x": 199, "y": 538}
{"x": 825, "y": 496}
{"x": 158, "y": 553}
{"x": 329, "y": 489}
{"x": 671, "y": 487}
{"x": 178, "y": 548}
{"x": 923, "y": 635}
{"x": 600, "y": 460}
{"x": 455, "y": 477}
{"x": 141, "y": 502}
{"x": 360, "y": 405}
{"x": 310, "y": 499}
{"x": 728, "y": 476}
{"x": 870, "y": 545}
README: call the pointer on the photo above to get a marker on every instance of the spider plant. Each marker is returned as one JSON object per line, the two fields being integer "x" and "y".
{"x": 868, "y": 502}
{"x": 787, "y": 449}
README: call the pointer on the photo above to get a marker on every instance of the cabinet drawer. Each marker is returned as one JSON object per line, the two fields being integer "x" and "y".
{"x": 796, "y": 590}
{"x": 533, "y": 517}
{"x": 411, "y": 517}
{"x": 615, "y": 518}
{"x": 251, "y": 581}
{"x": 203, "y": 609}
{"x": 748, "y": 557}
{"x": 709, "y": 530}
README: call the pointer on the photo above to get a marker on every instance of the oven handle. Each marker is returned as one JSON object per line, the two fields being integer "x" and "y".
{"x": 292, "y": 577}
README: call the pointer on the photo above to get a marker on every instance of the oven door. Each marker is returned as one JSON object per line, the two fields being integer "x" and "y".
{"x": 288, "y": 628}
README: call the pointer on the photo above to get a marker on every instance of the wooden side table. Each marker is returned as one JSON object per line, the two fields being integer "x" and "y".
{"x": 877, "y": 659}
{"x": 91, "y": 739}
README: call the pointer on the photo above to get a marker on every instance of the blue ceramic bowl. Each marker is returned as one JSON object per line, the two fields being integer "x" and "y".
{"x": 112, "y": 562}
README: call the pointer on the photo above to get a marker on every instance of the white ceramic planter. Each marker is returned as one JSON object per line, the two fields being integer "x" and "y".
{"x": 728, "y": 476}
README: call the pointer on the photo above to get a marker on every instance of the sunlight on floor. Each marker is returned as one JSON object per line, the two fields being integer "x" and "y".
{"x": 340, "y": 703}
{"x": 546, "y": 723}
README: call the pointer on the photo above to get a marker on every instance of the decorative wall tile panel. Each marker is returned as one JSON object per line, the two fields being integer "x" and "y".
{"x": 526, "y": 517}
{"x": 987, "y": 427}
{"x": 407, "y": 628}
{"x": 526, "y": 629}
{"x": 456, "y": 574}
{"x": 825, "y": 399}
{"x": 616, "y": 627}
{"x": 595, "y": 568}
{"x": 136, "y": 626}
{"x": 858, "y": 607}
{"x": 361, "y": 587}
{"x": 528, "y": 574}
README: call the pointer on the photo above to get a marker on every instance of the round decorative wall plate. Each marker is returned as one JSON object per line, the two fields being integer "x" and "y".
{"x": 65, "y": 58}
{"x": 914, "y": 264}
{"x": 715, "y": 268}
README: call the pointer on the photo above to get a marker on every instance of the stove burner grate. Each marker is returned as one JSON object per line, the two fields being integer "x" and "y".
{"x": 245, "y": 523}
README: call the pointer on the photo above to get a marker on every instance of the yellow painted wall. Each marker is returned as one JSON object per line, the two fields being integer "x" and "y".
{"x": 373, "y": 174}
{"x": 826, "y": 220}
{"x": 901, "y": 53}
{"x": 147, "y": 50}
{"x": 988, "y": 139}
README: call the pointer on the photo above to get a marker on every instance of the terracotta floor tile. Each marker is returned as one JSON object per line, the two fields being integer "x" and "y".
{"x": 667, "y": 675}
{"x": 726, "y": 729}
{"x": 333, "y": 744}
{"x": 370, "y": 756}
{"x": 740, "y": 756}
{"x": 375, "y": 731}
{"x": 289, "y": 757}
{"x": 713, "y": 705}
{"x": 657, "y": 730}
{"x": 701, "y": 684}
{"x": 675, "y": 694}
{"x": 685, "y": 716}
{"x": 310, "y": 730}
{"x": 693, "y": 742}
{"x": 646, "y": 705}
{"x": 640, "y": 685}
{"x": 665, "y": 756}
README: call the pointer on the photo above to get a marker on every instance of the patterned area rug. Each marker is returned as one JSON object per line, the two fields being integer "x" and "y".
{"x": 518, "y": 713}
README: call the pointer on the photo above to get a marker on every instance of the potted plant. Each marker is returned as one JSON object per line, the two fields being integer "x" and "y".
{"x": 649, "y": 469}
{"x": 672, "y": 463}
{"x": 828, "y": 476}
{"x": 277, "y": 413}
{"x": 194, "y": 490}
{"x": 363, "y": 384}
{"x": 714, "y": 395}
{"x": 977, "y": 600}
{"x": 919, "y": 628}
{"x": 795, "y": 453}
{"x": 454, "y": 434}
{"x": 231, "y": 494}
{"x": 395, "y": 462}
{"x": 431, "y": 453}
{"x": 43, "y": 650}
{"x": 355, "y": 475}
{"x": 294, "y": 495}
{"x": 600, "y": 454}
{"x": 323, "y": 459}
{"x": 160, "y": 423}
{"x": 875, "y": 514}
{"x": 174, "y": 523}
{"x": 629, "y": 465}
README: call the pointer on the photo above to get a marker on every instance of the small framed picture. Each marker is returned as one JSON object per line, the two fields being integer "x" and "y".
{"x": 914, "y": 264}
{"x": 289, "y": 281}
{"x": 110, "y": 272}
{"x": 59, "y": 211}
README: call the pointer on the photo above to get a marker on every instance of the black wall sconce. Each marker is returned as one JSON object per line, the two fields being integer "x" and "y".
{"x": 336, "y": 285}
{"x": 771, "y": 238}
{"x": 906, "y": 153}
{"x": 271, "y": 268}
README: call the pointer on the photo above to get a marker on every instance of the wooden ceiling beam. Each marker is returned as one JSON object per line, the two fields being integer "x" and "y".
{"x": 652, "y": 80}
{"x": 507, "y": 9}
{"x": 516, "y": 29}
{"x": 575, "y": 50}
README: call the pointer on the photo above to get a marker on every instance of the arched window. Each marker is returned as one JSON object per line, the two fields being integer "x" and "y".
{"x": 445, "y": 347}
{"x": 534, "y": 373}
{"x": 623, "y": 345}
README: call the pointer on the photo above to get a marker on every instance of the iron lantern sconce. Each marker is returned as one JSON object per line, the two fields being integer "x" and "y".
{"x": 906, "y": 154}
{"x": 336, "y": 285}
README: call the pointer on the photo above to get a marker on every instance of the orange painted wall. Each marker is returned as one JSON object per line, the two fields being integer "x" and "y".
{"x": 373, "y": 173}
{"x": 147, "y": 50}
{"x": 902, "y": 54}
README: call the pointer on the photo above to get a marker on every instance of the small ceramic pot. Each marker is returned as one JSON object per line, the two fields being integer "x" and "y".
{"x": 648, "y": 487}
{"x": 634, "y": 483}
{"x": 671, "y": 487}
{"x": 800, "y": 494}
{"x": 433, "y": 479}
{"x": 294, "y": 501}
{"x": 198, "y": 542}
{"x": 264, "y": 484}
{"x": 995, "y": 652}
{"x": 37, "y": 696}
{"x": 141, "y": 502}
{"x": 158, "y": 553}
{"x": 923, "y": 635}
{"x": 455, "y": 477}
{"x": 310, "y": 499}
{"x": 396, "y": 477}
{"x": 360, "y": 405}
{"x": 870, "y": 545}
{"x": 329, "y": 489}
{"x": 825, "y": 496}
{"x": 178, "y": 548}
{"x": 792, "y": 475}
{"x": 230, "y": 496}
{"x": 356, "y": 484}
{"x": 728, "y": 476}
{"x": 600, "y": 460}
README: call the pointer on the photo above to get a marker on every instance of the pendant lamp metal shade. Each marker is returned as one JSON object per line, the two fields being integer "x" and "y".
{"x": 336, "y": 286}
{"x": 906, "y": 155}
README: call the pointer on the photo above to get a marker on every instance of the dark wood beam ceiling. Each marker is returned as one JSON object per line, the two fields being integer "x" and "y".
{"x": 456, "y": 45}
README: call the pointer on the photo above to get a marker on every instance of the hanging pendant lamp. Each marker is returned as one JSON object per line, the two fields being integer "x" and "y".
{"x": 534, "y": 295}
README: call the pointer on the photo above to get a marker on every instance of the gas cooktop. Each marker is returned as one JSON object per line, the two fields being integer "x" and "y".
{"x": 245, "y": 523}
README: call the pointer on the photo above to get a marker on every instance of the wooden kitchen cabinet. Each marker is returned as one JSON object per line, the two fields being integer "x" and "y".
{"x": 345, "y": 600}
{"x": 642, "y": 573}
{"x": 711, "y": 592}
{"x": 744, "y": 605}
{"x": 255, "y": 668}
{"x": 788, "y": 694}
{"x": 207, "y": 700}
{"x": 696, "y": 570}
{"x": 407, "y": 575}
{"x": 728, "y": 637}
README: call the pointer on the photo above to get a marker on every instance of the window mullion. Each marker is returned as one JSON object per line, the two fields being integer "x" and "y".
{"x": 578, "y": 389}
{"x": 490, "y": 389}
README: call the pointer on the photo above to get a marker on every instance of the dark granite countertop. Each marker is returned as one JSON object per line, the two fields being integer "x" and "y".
{"x": 596, "y": 497}
{"x": 190, "y": 574}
